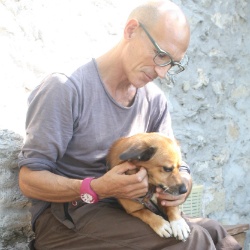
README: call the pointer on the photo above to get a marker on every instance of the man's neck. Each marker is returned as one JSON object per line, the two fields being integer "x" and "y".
{"x": 115, "y": 79}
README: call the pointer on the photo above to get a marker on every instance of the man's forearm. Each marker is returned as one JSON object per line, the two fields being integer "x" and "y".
{"x": 44, "y": 185}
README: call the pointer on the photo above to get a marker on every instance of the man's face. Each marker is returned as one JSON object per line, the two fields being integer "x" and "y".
{"x": 139, "y": 64}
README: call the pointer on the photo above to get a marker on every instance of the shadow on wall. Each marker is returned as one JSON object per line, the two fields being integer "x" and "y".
{"x": 15, "y": 229}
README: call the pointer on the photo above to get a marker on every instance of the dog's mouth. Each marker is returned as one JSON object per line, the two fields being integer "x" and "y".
{"x": 164, "y": 188}
{"x": 170, "y": 190}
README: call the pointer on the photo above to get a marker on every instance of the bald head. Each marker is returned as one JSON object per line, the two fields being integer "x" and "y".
{"x": 167, "y": 18}
{"x": 150, "y": 13}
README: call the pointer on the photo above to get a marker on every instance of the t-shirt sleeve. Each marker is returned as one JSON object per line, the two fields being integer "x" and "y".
{"x": 52, "y": 111}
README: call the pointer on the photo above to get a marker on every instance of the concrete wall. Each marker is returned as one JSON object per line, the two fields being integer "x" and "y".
{"x": 209, "y": 102}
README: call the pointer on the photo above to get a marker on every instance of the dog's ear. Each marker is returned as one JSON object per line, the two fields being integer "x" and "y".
{"x": 138, "y": 154}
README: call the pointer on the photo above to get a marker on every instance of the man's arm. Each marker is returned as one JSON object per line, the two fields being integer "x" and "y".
{"x": 46, "y": 186}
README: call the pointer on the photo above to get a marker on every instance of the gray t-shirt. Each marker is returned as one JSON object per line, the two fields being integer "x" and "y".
{"x": 73, "y": 120}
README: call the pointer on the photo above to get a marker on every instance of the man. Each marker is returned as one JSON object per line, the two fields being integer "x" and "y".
{"x": 72, "y": 121}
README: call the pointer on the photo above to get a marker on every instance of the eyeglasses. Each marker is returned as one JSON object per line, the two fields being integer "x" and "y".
{"x": 163, "y": 58}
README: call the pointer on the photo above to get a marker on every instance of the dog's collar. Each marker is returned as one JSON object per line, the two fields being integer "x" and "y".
{"x": 148, "y": 195}
{"x": 147, "y": 202}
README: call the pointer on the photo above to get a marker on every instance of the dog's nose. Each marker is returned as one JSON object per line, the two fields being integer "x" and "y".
{"x": 182, "y": 189}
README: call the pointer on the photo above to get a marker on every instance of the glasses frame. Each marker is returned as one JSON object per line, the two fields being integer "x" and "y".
{"x": 161, "y": 51}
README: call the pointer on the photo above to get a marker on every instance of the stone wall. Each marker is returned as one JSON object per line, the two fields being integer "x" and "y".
{"x": 15, "y": 230}
{"x": 209, "y": 102}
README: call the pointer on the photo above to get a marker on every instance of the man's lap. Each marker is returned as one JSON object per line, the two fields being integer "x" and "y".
{"x": 108, "y": 226}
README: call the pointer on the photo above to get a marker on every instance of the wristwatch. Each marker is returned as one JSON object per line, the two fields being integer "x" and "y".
{"x": 88, "y": 195}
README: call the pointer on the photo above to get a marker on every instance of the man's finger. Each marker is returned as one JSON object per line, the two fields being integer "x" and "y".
{"x": 124, "y": 167}
{"x": 141, "y": 174}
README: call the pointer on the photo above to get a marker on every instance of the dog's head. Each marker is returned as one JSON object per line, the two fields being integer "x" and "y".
{"x": 159, "y": 155}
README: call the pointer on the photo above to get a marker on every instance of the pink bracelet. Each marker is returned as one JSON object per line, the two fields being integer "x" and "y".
{"x": 88, "y": 195}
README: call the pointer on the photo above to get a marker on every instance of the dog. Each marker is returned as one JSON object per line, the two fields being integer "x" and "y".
{"x": 161, "y": 157}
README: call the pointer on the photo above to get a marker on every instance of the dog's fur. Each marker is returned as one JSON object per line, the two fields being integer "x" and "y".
{"x": 161, "y": 157}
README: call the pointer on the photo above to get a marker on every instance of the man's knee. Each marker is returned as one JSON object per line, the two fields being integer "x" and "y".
{"x": 199, "y": 237}
{"x": 214, "y": 228}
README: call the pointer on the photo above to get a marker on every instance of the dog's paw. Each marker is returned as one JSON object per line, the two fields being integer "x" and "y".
{"x": 162, "y": 228}
{"x": 180, "y": 229}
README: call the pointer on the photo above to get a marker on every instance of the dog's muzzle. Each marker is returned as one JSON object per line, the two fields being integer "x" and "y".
{"x": 176, "y": 190}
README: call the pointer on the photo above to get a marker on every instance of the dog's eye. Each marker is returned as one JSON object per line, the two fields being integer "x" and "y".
{"x": 166, "y": 169}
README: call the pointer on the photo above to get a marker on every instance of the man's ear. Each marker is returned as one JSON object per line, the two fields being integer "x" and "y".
{"x": 130, "y": 28}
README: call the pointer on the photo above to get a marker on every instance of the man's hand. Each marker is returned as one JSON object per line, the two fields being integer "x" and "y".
{"x": 169, "y": 200}
{"x": 115, "y": 183}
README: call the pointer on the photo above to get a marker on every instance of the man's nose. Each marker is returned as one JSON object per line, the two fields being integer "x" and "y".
{"x": 162, "y": 71}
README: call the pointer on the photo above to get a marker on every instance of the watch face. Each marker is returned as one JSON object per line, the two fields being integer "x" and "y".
{"x": 88, "y": 198}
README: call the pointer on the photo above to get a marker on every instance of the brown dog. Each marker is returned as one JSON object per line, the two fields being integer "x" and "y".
{"x": 161, "y": 157}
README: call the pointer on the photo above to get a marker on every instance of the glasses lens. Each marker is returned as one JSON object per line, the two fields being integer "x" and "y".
{"x": 175, "y": 69}
{"x": 179, "y": 67}
{"x": 162, "y": 59}
{"x": 184, "y": 61}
